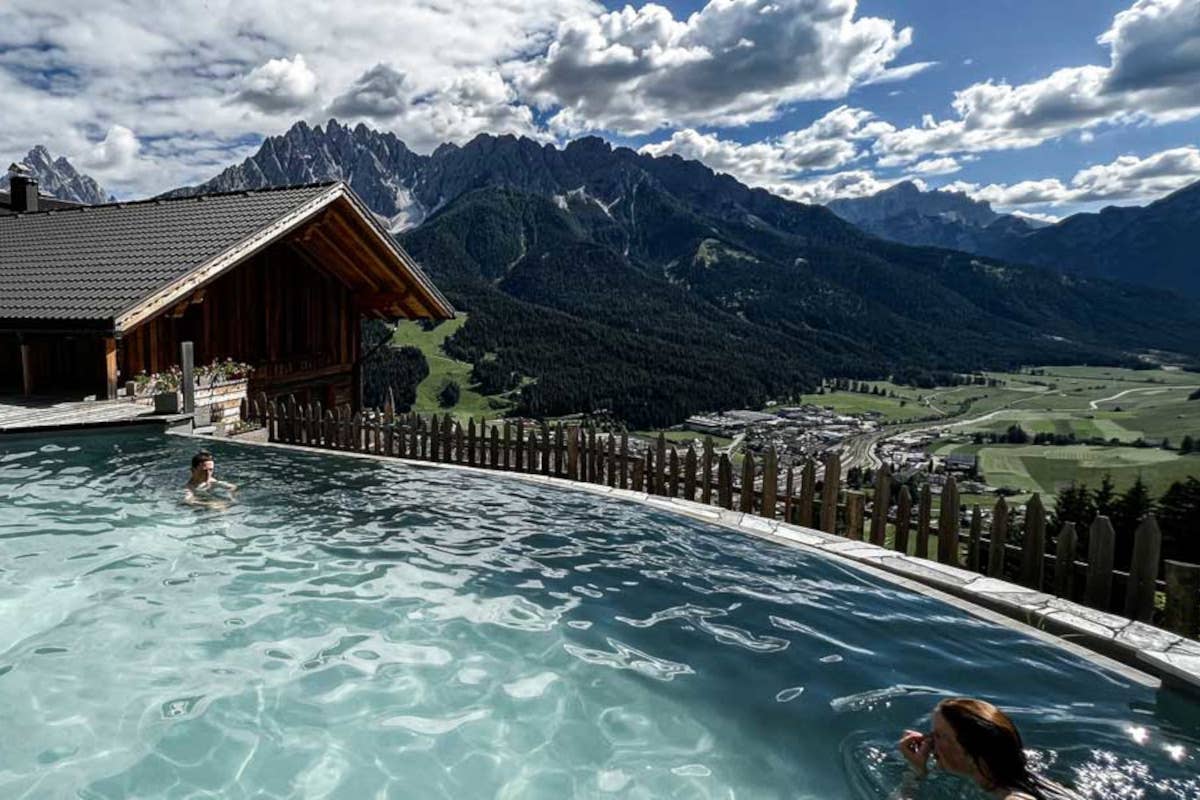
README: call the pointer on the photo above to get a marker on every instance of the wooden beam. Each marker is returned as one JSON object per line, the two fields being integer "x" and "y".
{"x": 357, "y": 241}
{"x": 330, "y": 250}
{"x": 110, "y": 367}
{"x": 26, "y": 368}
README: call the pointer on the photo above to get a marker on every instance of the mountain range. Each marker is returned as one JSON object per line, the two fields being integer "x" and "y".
{"x": 56, "y": 177}
{"x": 1155, "y": 245}
{"x": 654, "y": 287}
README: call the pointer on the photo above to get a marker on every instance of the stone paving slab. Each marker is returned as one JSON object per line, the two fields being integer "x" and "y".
{"x": 1168, "y": 657}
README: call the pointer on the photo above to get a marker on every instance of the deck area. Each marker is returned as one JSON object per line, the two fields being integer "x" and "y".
{"x": 33, "y": 414}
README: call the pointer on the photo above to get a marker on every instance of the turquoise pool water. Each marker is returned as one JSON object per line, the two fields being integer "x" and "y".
{"x": 356, "y": 630}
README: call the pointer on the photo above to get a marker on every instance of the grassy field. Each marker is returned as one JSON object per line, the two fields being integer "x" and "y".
{"x": 1045, "y": 468}
{"x": 442, "y": 368}
{"x": 904, "y": 408}
{"x": 683, "y": 437}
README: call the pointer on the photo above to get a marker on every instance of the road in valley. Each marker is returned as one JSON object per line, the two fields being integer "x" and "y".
{"x": 1095, "y": 404}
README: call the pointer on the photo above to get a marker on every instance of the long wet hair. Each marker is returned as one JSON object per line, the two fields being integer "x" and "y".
{"x": 991, "y": 739}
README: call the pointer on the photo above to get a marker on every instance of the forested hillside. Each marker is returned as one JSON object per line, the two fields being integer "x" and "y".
{"x": 654, "y": 287}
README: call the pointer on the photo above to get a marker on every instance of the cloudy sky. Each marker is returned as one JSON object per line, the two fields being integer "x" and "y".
{"x": 1042, "y": 107}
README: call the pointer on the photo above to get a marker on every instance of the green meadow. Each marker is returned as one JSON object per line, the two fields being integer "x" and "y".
{"x": 443, "y": 368}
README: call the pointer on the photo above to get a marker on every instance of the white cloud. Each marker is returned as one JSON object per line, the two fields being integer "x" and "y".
{"x": 1128, "y": 179}
{"x": 936, "y": 166}
{"x": 733, "y": 62}
{"x": 279, "y": 85}
{"x": 828, "y": 143}
{"x": 116, "y": 151}
{"x": 851, "y": 183}
{"x": 1153, "y": 75}
{"x": 212, "y": 78}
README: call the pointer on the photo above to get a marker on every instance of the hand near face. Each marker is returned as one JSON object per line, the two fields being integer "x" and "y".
{"x": 916, "y": 749}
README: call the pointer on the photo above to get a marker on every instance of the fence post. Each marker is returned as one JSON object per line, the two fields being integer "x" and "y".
{"x": 706, "y": 472}
{"x": 470, "y": 441}
{"x": 435, "y": 438}
{"x": 460, "y": 457}
{"x": 624, "y": 463}
{"x": 829, "y": 493}
{"x": 649, "y": 466}
{"x": 549, "y": 450}
{"x": 559, "y": 451}
{"x": 973, "y": 539}
{"x": 673, "y": 474}
{"x": 1182, "y": 614}
{"x": 1101, "y": 541}
{"x": 660, "y": 463}
{"x": 573, "y": 453}
{"x": 1064, "y": 561}
{"x": 1143, "y": 570}
{"x": 1033, "y": 551}
{"x": 948, "y": 522}
{"x": 187, "y": 379}
{"x": 531, "y": 452}
{"x": 293, "y": 414}
{"x": 639, "y": 475}
{"x": 746, "y": 496}
{"x": 506, "y": 446}
{"x": 725, "y": 482}
{"x": 519, "y": 442}
{"x": 788, "y": 488}
{"x": 689, "y": 474}
{"x": 999, "y": 539}
{"x": 808, "y": 489}
{"x": 924, "y": 513}
{"x": 855, "y": 506}
{"x": 880, "y": 502}
{"x": 903, "y": 520}
{"x": 494, "y": 454}
{"x": 770, "y": 484}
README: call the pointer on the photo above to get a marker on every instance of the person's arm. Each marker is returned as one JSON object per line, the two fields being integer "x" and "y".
{"x": 227, "y": 486}
{"x": 916, "y": 749}
{"x": 190, "y": 498}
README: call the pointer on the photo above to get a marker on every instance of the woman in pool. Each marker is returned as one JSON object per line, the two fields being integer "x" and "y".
{"x": 975, "y": 740}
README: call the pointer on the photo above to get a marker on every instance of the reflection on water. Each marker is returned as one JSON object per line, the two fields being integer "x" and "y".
{"x": 356, "y": 630}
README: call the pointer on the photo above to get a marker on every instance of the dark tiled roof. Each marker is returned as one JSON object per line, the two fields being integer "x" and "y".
{"x": 93, "y": 262}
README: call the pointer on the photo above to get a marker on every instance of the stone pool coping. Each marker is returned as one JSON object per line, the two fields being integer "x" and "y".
{"x": 1140, "y": 652}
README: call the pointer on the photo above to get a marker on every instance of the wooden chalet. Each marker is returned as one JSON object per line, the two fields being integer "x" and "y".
{"x": 280, "y": 278}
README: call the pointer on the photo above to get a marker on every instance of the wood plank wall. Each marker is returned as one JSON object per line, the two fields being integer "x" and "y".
{"x": 296, "y": 325}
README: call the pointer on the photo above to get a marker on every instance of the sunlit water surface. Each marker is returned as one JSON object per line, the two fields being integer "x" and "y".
{"x": 355, "y": 630}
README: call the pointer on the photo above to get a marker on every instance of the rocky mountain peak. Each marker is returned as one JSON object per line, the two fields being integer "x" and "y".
{"x": 58, "y": 178}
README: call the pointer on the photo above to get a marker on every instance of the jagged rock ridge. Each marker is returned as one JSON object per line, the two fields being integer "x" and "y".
{"x": 59, "y": 179}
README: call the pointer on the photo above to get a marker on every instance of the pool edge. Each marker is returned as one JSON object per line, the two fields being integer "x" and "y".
{"x": 1139, "y": 652}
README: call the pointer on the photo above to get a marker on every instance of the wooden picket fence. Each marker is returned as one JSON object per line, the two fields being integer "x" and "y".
{"x": 1164, "y": 592}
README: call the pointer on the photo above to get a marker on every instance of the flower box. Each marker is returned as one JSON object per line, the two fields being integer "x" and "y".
{"x": 167, "y": 403}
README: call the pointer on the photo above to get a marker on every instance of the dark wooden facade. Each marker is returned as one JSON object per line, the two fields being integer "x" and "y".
{"x": 295, "y": 323}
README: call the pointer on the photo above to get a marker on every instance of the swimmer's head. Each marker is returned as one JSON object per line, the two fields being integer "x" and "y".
{"x": 202, "y": 466}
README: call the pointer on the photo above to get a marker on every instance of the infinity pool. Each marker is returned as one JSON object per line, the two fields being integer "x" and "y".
{"x": 356, "y": 630}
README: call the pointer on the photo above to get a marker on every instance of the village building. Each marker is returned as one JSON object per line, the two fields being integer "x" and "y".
{"x": 93, "y": 296}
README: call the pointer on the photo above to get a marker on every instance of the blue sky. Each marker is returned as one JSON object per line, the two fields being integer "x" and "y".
{"x": 1043, "y": 107}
